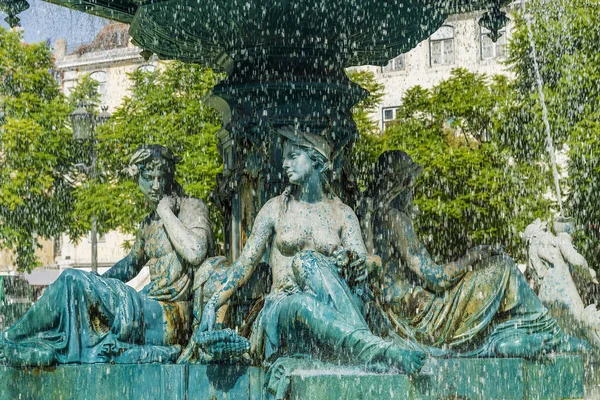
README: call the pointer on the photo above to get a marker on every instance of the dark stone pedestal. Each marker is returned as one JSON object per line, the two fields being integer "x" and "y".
{"x": 95, "y": 382}
{"x": 557, "y": 378}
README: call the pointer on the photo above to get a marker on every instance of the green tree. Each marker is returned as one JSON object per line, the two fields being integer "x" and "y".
{"x": 566, "y": 36}
{"x": 361, "y": 113}
{"x": 369, "y": 144}
{"x": 165, "y": 107}
{"x": 35, "y": 190}
{"x": 473, "y": 190}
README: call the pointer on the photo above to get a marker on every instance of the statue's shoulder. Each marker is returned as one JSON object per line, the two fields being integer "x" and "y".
{"x": 274, "y": 204}
{"x": 342, "y": 207}
{"x": 194, "y": 213}
{"x": 193, "y": 204}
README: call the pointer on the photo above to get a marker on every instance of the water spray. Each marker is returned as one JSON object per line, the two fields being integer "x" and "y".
{"x": 540, "y": 86}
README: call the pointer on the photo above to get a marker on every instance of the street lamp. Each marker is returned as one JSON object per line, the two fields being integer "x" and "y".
{"x": 84, "y": 126}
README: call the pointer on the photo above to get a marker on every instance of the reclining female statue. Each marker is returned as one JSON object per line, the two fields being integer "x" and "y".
{"x": 309, "y": 232}
{"x": 87, "y": 318}
{"x": 480, "y": 305}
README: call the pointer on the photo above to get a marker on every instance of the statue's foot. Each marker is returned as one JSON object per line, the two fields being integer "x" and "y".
{"x": 525, "y": 346}
{"x": 25, "y": 356}
{"x": 528, "y": 346}
{"x": 570, "y": 344}
{"x": 407, "y": 361}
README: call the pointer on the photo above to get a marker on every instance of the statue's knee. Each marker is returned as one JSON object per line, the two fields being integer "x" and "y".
{"x": 299, "y": 308}
{"x": 71, "y": 273}
{"x": 500, "y": 262}
{"x": 72, "y": 277}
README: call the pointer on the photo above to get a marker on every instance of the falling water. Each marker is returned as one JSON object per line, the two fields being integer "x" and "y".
{"x": 540, "y": 85}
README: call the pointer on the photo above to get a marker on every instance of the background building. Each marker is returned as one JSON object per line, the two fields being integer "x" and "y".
{"x": 460, "y": 42}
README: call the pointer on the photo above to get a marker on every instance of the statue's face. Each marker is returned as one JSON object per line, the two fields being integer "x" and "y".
{"x": 297, "y": 164}
{"x": 153, "y": 182}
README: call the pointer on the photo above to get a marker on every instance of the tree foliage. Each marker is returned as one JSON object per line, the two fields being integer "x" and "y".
{"x": 566, "y": 36}
{"x": 473, "y": 190}
{"x": 35, "y": 190}
{"x": 43, "y": 195}
{"x": 361, "y": 113}
{"x": 369, "y": 144}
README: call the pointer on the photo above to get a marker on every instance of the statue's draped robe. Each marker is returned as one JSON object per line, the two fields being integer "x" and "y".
{"x": 292, "y": 321}
{"x": 486, "y": 307}
{"x": 482, "y": 310}
{"x": 84, "y": 318}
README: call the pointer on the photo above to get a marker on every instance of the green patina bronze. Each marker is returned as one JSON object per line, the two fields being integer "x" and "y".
{"x": 477, "y": 306}
{"x": 286, "y": 117}
{"x": 310, "y": 310}
{"x": 87, "y": 318}
{"x": 466, "y": 379}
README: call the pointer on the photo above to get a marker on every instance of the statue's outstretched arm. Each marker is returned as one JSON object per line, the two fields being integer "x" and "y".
{"x": 127, "y": 268}
{"x": 571, "y": 255}
{"x": 190, "y": 243}
{"x": 574, "y": 258}
{"x": 241, "y": 270}
{"x": 406, "y": 242}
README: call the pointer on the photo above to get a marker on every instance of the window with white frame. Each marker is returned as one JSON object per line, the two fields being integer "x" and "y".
{"x": 100, "y": 77}
{"x": 395, "y": 64}
{"x": 441, "y": 46}
{"x": 489, "y": 49}
{"x": 388, "y": 114}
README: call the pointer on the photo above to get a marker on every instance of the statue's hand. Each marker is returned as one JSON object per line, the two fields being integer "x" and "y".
{"x": 358, "y": 268}
{"x": 169, "y": 203}
{"x": 351, "y": 265}
{"x": 482, "y": 252}
{"x": 341, "y": 258}
{"x": 189, "y": 354}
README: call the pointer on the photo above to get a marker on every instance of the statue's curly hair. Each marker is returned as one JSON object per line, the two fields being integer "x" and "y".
{"x": 155, "y": 153}
{"x": 398, "y": 166}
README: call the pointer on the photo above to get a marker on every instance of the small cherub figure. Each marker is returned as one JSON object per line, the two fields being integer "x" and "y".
{"x": 582, "y": 273}
{"x": 552, "y": 262}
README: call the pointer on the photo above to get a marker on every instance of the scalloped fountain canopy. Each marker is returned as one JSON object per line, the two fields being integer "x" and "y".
{"x": 344, "y": 33}
{"x": 208, "y": 31}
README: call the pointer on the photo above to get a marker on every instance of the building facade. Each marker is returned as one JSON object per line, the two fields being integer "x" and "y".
{"x": 460, "y": 42}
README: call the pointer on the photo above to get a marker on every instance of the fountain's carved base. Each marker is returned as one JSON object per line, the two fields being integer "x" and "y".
{"x": 508, "y": 378}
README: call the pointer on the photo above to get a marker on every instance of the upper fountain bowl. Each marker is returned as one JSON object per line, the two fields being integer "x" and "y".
{"x": 339, "y": 33}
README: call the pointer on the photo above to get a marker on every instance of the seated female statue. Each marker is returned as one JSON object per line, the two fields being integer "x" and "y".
{"x": 309, "y": 309}
{"x": 480, "y": 305}
{"x": 87, "y": 318}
